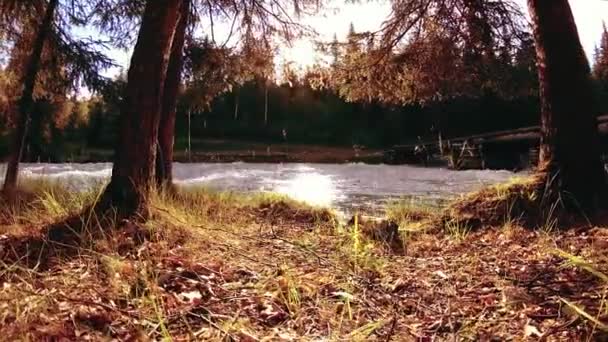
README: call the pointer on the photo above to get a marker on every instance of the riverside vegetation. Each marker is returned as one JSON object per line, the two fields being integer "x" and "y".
{"x": 228, "y": 267}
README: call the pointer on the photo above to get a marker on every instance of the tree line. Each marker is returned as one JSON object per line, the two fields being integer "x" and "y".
{"x": 425, "y": 58}
{"x": 73, "y": 129}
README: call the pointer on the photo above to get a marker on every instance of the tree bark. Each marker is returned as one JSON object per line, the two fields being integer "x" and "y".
{"x": 26, "y": 100}
{"x": 166, "y": 132}
{"x": 570, "y": 149}
{"x": 133, "y": 172}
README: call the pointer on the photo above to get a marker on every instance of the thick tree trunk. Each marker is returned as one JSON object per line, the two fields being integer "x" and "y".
{"x": 569, "y": 152}
{"x": 26, "y": 100}
{"x": 166, "y": 131}
{"x": 133, "y": 173}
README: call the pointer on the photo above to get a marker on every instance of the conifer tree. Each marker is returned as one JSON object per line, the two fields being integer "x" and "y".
{"x": 600, "y": 65}
{"x": 43, "y": 44}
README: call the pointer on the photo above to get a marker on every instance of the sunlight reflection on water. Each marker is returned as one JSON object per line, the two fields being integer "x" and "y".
{"x": 313, "y": 188}
{"x": 345, "y": 187}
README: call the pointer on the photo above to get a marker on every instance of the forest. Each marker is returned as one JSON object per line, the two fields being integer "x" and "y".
{"x": 237, "y": 109}
{"x": 144, "y": 255}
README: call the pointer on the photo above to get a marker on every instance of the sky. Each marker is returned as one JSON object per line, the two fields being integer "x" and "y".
{"x": 589, "y": 16}
{"x": 368, "y": 16}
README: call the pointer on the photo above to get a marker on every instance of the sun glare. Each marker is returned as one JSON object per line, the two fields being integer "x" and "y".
{"x": 302, "y": 53}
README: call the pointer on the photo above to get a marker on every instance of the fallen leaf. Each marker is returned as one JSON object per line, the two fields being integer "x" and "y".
{"x": 190, "y": 296}
{"x": 399, "y": 285}
{"x": 441, "y": 274}
{"x": 530, "y": 330}
{"x": 345, "y": 296}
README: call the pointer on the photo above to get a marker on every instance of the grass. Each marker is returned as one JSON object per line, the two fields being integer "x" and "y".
{"x": 412, "y": 216}
{"x": 517, "y": 200}
{"x": 222, "y": 266}
{"x": 410, "y": 211}
{"x": 457, "y": 230}
{"x": 602, "y": 309}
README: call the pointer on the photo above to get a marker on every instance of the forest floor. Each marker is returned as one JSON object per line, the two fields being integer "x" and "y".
{"x": 219, "y": 150}
{"x": 218, "y": 266}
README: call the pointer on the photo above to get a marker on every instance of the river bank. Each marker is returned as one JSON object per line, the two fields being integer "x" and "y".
{"x": 229, "y": 151}
{"x": 216, "y": 266}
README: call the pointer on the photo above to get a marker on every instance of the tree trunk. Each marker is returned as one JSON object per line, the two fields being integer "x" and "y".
{"x": 166, "y": 132}
{"x": 190, "y": 135}
{"x": 266, "y": 103}
{"x": 133, "y": 173}
{"x": 236, "y": 105}
{"x": 24, "y": 105}
{"x": 569, "y": 151}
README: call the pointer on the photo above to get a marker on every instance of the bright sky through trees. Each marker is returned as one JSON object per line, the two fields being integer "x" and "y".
{"x": 589, "y": 15}
{"x": 368, "y": 16}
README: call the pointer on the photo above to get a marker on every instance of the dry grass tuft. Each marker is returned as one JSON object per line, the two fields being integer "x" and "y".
{"x": 410, "y": 211}
{"x": 520, "y": 200}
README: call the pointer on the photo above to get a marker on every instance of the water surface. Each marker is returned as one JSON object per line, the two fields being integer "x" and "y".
{"x": 347, "y": 187}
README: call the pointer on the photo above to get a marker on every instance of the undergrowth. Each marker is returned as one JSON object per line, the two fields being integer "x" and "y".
{"x": 223, "y": 266}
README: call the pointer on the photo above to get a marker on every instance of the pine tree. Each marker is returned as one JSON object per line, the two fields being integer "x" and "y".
{"x": 133, "y": 172}
{"x": 44, "y": 53}
{"x": 600, "y": 65}
{"x": 24, "y": 104}
{"x": 166, "y": 130}
{"x": 335, "y": 51}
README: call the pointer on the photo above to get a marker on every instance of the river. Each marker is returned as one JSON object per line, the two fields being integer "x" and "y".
{"x": 346, "y": 187}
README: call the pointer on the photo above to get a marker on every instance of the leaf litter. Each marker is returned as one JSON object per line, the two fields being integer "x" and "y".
{"x": 268, "y": 274}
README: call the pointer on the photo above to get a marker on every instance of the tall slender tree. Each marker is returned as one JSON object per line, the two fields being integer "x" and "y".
{"x": 24, "y": 104}
{"x": 600, "y": 65}
{"x": 166, "y": 130}
{"x": 215, "y": 68}
{"x": 46, "y": 60}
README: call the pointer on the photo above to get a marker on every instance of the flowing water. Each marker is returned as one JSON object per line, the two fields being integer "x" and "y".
{"x": 346, "y": 187}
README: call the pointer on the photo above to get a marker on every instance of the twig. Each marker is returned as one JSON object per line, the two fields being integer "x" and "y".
{"x": 85, "y": 302}
{"x": 198, "y": 333}
{"x": 392, "y": 331}
{"x": 558, "y": 328}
